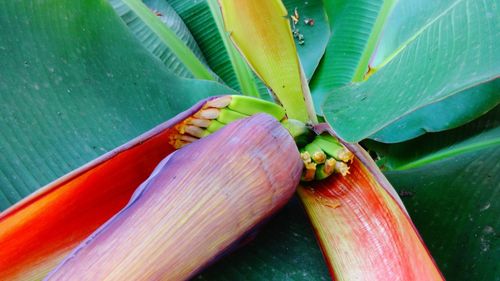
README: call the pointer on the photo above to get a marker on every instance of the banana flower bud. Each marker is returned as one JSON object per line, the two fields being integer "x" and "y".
{"x": 193, "y": 207}
{"x": 38, "y": 232}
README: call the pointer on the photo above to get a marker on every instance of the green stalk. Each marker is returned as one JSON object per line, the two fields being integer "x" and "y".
{"x": 243, "y": 72}
{"x": 170, "y": 39}
{"x": 360, "y": 72}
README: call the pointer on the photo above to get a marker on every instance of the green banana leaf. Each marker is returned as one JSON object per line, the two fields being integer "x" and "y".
{"x": 74, "y": 84}
{"x": 483, "y": 133}
{"x": 453, "y": 51}
{"x": 226, "y": 62}
{"x": 445, "y": 114}
{"x": 449, "y": 182}
{"x": 165, "y": 35}
{"x": 406, "y": 20}
{"x": 199, "y": 19}
{"x": 355, "y": 27}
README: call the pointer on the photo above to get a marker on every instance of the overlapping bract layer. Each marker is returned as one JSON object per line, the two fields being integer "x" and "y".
{"x": 196, "y": 203}
{"x": 37, "y": 232}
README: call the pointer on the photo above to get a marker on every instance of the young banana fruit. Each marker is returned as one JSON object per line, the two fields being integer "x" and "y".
{"x": 322, "y": 155}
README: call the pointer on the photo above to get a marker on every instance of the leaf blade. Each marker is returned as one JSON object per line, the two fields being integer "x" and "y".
{"x": 242, "y": 72}
{"x": 425, "y": 82}
{"x": 350, "y": 24}
{"x": 145, "y": 24}
{"x": 69, "y": 96}
{"x": 453, "y": 112}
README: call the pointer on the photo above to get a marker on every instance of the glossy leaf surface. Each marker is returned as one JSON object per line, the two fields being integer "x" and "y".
{"x": 164, "y": 34}
{"x": 354, "y": 30}
{"x": 452, "y": 203}
{"x": 261, "y": 32}
{"x": 444, "y": 114}
{"x": 316, "y": 33}
{"x": 481, "y": 134}
{"x": 438, "y": 61}
{"x": 198, "y": 18}
{"x": 72, "y": 90}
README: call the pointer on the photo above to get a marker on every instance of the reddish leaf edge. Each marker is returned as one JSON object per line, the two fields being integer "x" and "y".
{"x": 37, "y": 232}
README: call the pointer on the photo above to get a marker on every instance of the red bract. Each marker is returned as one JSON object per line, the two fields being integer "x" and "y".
{"x": 364, "y": 233}
{"x": 36, "y": 233}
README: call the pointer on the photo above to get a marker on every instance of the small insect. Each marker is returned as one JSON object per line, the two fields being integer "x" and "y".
{"x": 295, "y": 17}
{"x": 300, "y": 38}
{"x": 156, "y": 12}
{"x": 295, "y": 31}
{"x": 309, "y": 21}
{"x": 405, "y": 193}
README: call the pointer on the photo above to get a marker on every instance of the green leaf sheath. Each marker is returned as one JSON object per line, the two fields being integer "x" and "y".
{"x": 198, "y": 17}
{"x": 171, "y": 42}
{"x": 246, "y": 79}
{"x": 72, "y": 90}
{"x": 446, "y": 56}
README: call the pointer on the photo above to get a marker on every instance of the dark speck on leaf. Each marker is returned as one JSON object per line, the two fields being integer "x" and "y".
{"x": 405, "y": 193}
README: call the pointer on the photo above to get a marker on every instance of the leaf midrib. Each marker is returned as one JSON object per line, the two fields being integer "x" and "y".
{"x": 448, "y": 153}
{"x": 241, "y": 70}
{"x": 452, "y": 93}
{"x": 170, "y": 39}
{"x": 406, "y": 43}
